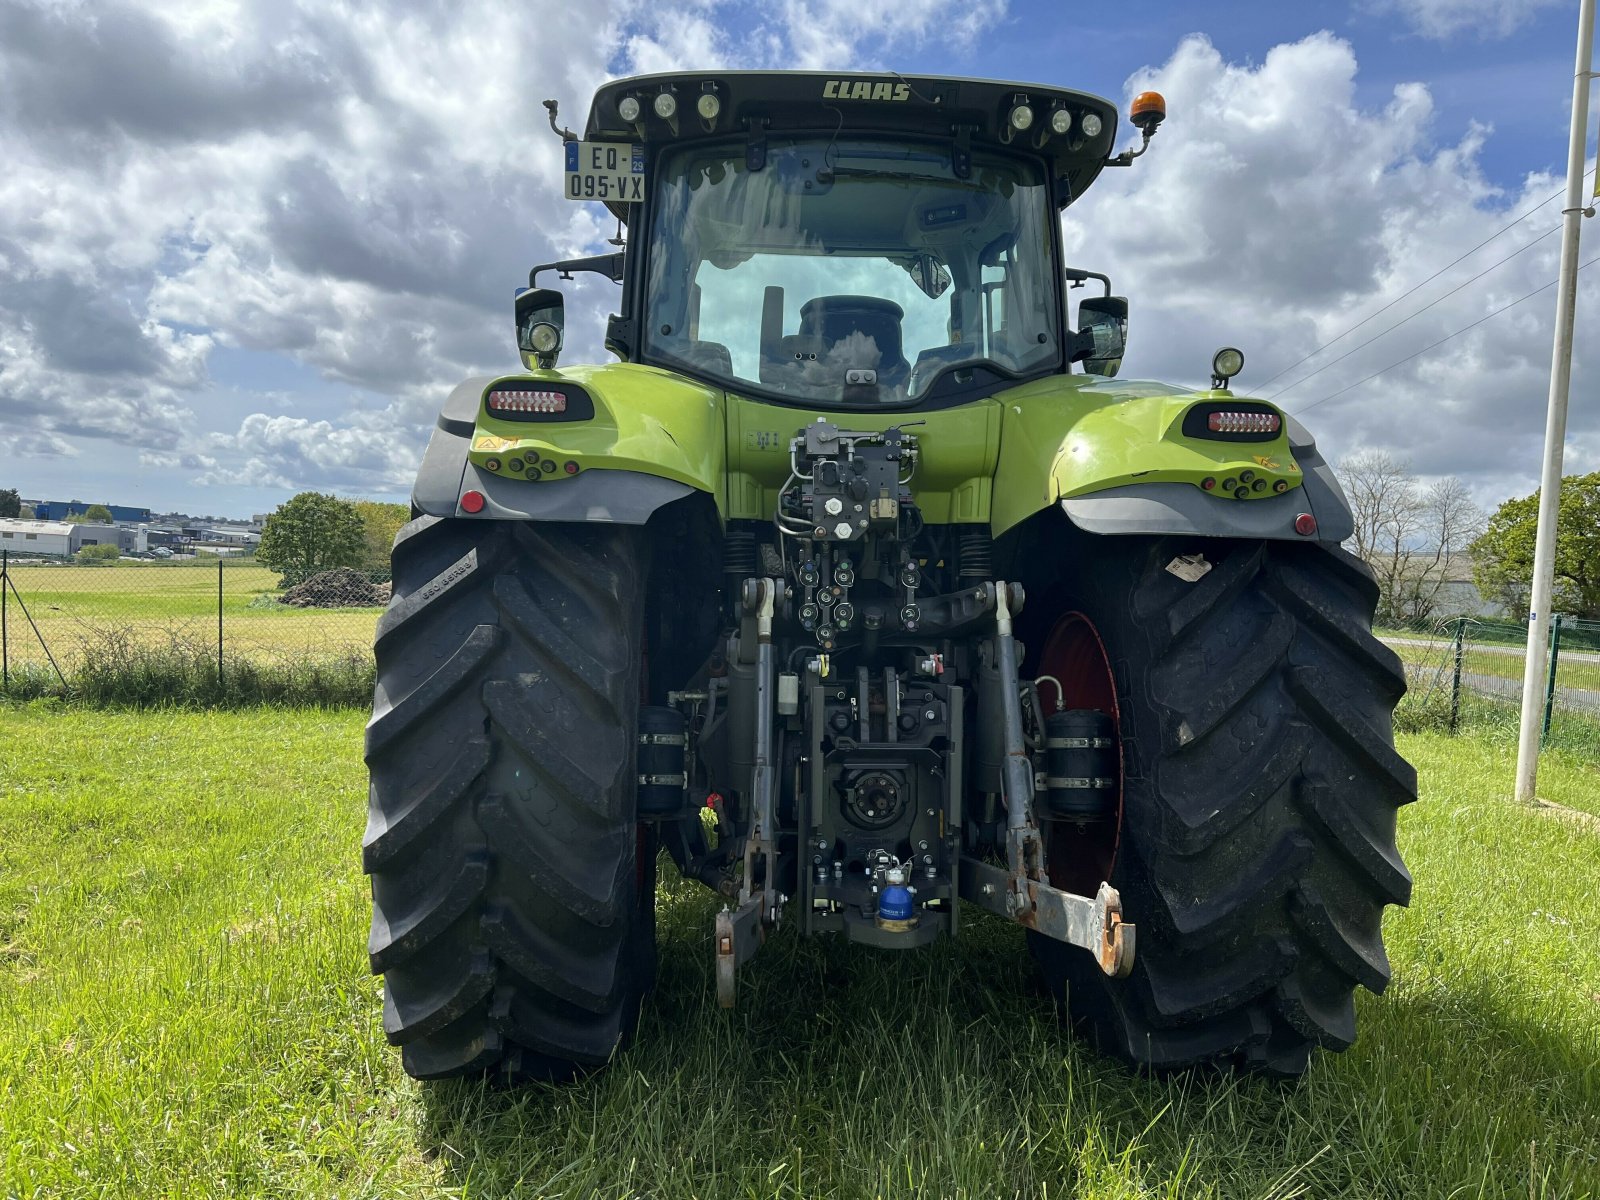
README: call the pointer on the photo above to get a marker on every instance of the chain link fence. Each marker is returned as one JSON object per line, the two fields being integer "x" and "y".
{"x": 203, "y": 629}
{"x": 1469, "y": 660}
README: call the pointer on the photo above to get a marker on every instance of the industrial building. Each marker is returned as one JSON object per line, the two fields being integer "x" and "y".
{"x": 60, "y": 510}
{"x": 58, "y": 539}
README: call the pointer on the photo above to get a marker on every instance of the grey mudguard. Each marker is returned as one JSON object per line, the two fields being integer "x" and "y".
{"x": 618, "y": 497}
{"x": 1183, "y": 508}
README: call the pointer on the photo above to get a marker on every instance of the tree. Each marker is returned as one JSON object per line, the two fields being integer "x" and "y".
{"x": 1503, "y": 557}
{"x": 380, "y": 523}
{"x": 27, "y": 512}
{"x": 10, "y": 503}
{"x": 97, "y": 514}
{"x": 1407, "y": 533}
{"x": 92, "y": 555}
{"x": 311, "y": 533}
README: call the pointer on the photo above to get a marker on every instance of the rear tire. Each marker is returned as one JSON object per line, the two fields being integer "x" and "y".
{"x": 512, "y": 887}
{"x": 1260, "y": 789}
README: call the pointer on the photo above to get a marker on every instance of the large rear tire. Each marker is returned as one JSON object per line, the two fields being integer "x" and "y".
{"x": 1255, "y": 847}
{"x": 513, "y": 911}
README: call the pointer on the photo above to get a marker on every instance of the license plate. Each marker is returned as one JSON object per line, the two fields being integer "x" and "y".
{"x": 611, "y": 171}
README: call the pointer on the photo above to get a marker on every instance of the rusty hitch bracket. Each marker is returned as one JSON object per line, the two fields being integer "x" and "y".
{"x": 739, "y": 934}
{"x": 1020, "y": 890}
{"x": 1093, "y": 923}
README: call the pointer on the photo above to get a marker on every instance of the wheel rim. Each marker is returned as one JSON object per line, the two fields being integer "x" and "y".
{"x": 1078, "y": 856}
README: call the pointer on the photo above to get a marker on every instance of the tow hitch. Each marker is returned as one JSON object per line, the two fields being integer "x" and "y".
{"x": 1019, "y": 890}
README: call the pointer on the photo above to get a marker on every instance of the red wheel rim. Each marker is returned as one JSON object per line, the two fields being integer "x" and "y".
{"x": 1077, "y": 856}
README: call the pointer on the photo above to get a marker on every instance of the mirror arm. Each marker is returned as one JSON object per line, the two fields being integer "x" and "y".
{"x": 609, "y": 265}
{"x": 1076, "y": 276}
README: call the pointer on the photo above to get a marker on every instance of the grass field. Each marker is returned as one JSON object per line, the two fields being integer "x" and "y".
{"x": 77, "y": 607}
{"x": 1571, "y": 672}
{"x": 185, "y": 1011}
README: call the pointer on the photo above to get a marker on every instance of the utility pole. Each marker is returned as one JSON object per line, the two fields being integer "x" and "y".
{"x": 1555, "y": 429}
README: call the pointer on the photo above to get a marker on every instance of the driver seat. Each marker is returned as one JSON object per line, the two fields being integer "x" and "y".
{"x": 835, "y": 318}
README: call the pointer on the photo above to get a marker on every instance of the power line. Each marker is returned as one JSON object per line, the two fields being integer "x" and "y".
{"x": 1438, "y": 299}
{"x": 1423, "y": 284}
{"x": 1440, "y": 342}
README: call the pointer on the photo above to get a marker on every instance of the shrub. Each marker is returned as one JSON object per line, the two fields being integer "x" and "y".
{"x": 95, "y": 555}
{"x": 121, "y": 670}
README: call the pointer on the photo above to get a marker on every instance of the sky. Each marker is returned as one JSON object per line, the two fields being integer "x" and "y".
{"x": 248, "y": 246}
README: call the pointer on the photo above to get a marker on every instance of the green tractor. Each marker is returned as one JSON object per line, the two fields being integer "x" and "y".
{"x": 861, "y": 548}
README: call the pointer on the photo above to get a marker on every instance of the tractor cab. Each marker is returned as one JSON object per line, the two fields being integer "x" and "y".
{"x": 842, "y": 243}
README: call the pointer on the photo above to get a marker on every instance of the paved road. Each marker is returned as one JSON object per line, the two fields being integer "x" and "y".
{"x": 1582, "y": 656}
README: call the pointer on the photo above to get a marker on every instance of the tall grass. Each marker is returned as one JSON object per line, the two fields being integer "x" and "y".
{"x": 118, "y": 667}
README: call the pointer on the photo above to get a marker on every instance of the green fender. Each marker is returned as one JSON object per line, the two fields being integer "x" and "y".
{"x": 1114, "y": 456}
{"x": 655, "y": 437}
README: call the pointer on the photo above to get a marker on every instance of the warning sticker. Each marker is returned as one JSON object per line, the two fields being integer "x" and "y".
{"x": 1189, "y": 567}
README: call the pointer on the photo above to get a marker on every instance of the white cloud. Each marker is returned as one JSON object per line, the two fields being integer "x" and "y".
{"x": 1444, "y": 19}
{"x": 293, "y": 452}
{"x": 807, "y": 35}
{"x": 1273, "y": 212}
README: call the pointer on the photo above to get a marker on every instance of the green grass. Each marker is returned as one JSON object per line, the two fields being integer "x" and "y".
{"x": 1438, "y": 653}
{"x": 185, "y": 1011}
{"x": 79, "y": 608}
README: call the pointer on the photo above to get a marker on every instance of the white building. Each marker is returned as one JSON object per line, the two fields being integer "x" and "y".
{"x": 54, "y": 538}
{"x": 59, "y": 539}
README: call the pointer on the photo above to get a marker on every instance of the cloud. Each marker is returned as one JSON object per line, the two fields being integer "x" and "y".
{"x": 806, "y": 35}
{"x": 293, "y": 452}
{"x": 1445, "y": 19}
{"x": 353, "y": 191}
{"x": 1273, "y": 212}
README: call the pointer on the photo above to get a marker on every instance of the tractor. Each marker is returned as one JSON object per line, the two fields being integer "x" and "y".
{"x": 861, "y": 588}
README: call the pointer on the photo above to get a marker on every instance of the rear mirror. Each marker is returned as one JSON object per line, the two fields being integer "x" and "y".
{"x": 1102, "y": 334}
{"x": 930, "y": 275}
{"x": 541, "y": 323}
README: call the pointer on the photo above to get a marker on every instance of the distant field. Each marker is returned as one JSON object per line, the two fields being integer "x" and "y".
{"x": 75, "y": 606}
{"x": 1571, "y": 671}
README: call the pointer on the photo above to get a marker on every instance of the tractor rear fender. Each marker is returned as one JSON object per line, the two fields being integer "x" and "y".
{"x": 1122, "y": 457}
{"x": 653, "y": 438}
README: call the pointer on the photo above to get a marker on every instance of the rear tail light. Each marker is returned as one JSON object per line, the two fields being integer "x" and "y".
{"x": 1243, "y": 422}
{"x": 526, "y": 400}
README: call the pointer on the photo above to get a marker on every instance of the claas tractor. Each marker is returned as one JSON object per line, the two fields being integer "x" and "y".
{"x": 861, "y": 587}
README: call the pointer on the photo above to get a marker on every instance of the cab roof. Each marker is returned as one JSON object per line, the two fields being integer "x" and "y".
{"x": 753, "y": 104}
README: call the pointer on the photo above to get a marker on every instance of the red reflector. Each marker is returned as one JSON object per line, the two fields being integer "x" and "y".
{"x": 1305, "y": 524}
{"x": 571, "y": 468}
{"x": 1243, "y": 422}
{"x": 1208, "y": 482}
{"x": 472, "y": 502}
{"x": 527, "y": 400}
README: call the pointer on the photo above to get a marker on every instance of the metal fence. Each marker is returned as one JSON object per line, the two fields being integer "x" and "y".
{"x": 57, "y": 617}
{"x": 1467, "y": 657}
